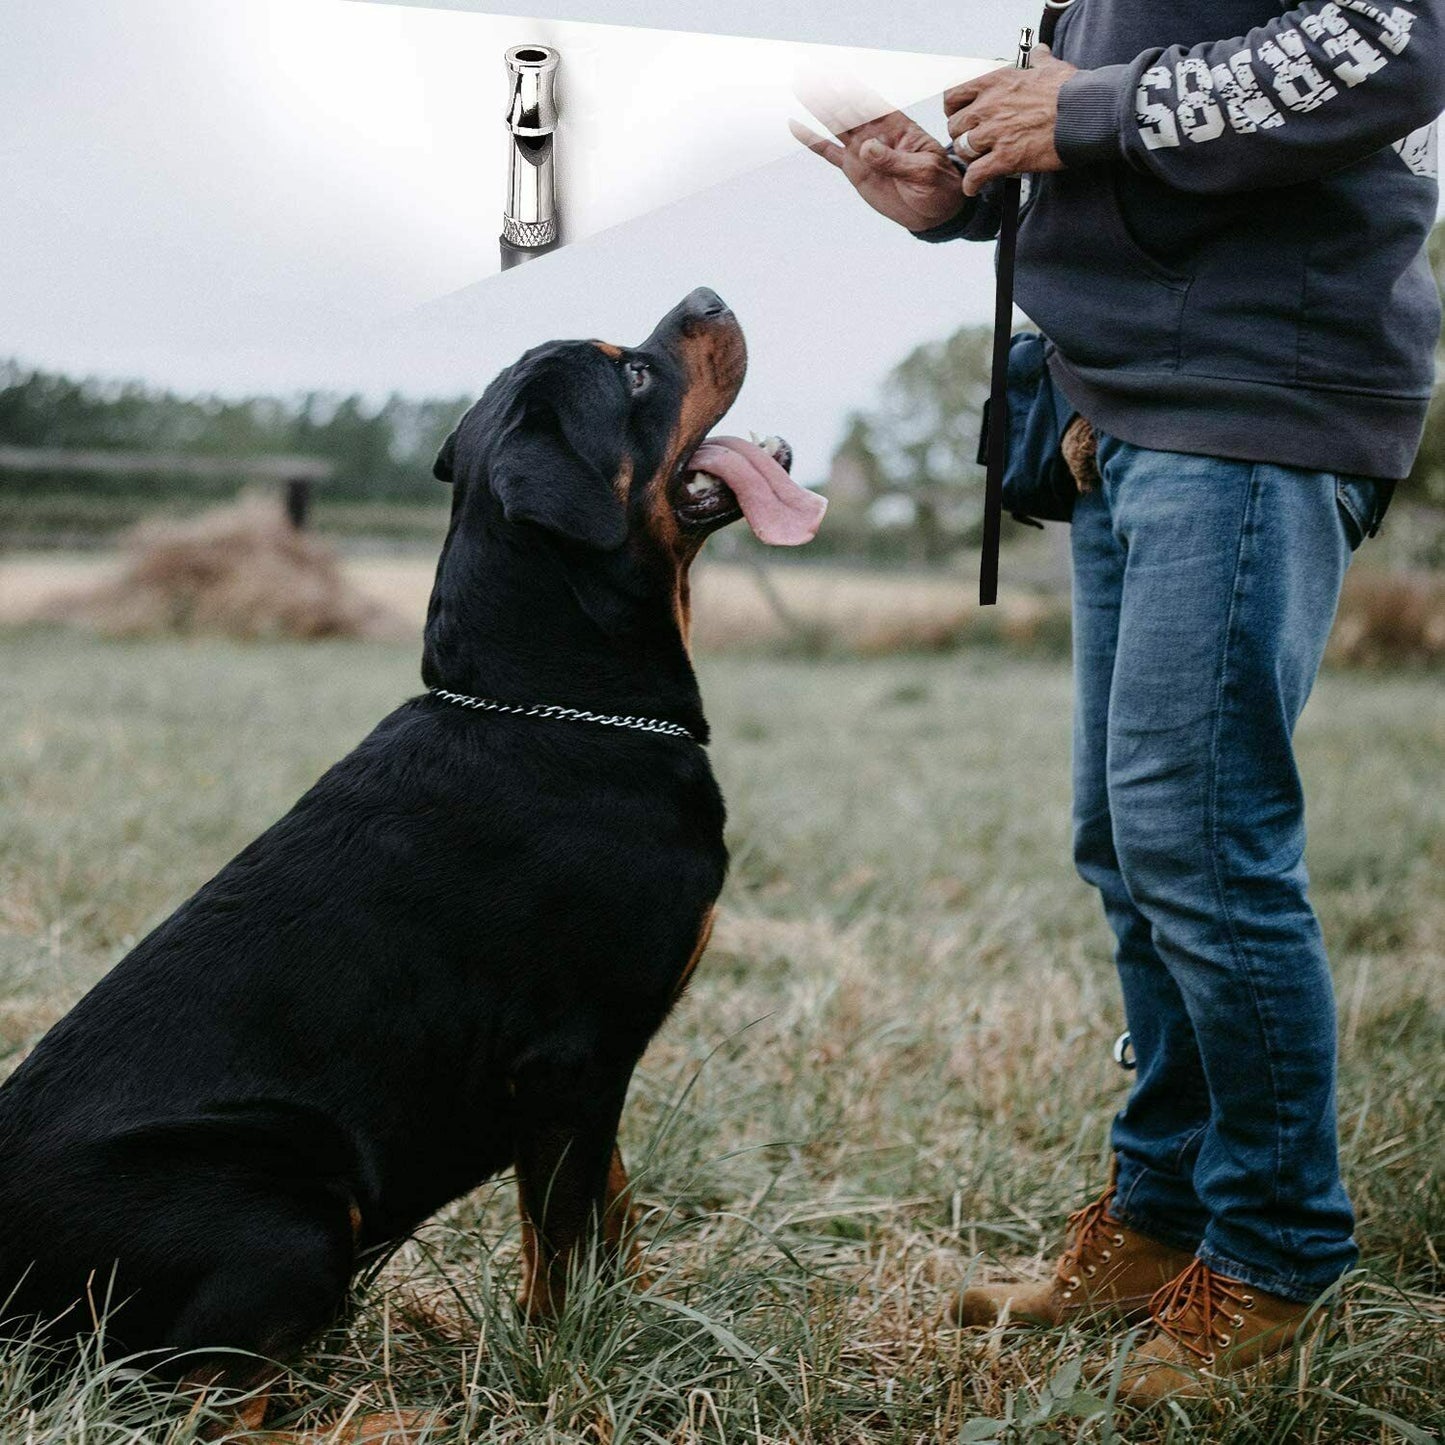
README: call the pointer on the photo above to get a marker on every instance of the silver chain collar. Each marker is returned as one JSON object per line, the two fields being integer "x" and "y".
{"x": 566, "y": 714}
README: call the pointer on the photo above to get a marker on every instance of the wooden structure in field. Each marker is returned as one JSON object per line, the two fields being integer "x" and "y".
{"x": 295, "y": 475}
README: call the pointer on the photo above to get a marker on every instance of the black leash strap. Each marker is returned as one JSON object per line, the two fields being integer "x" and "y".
{"x": 1003, "y": 315}
{"x": 1003, "y": 312}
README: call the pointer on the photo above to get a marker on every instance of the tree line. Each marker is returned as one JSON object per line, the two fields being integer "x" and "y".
{"x": 381, "y": 451}
{"x": 904, "y": 477}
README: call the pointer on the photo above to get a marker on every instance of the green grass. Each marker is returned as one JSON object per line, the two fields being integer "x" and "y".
{"x": 893, "y": 1066}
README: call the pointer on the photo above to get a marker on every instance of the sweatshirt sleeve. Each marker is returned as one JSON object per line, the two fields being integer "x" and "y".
{"x": 1317, "y": 88}
{"x": 979, "y": 220}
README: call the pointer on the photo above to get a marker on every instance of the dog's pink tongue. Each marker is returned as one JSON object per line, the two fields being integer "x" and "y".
{"x": 779, "y": 511}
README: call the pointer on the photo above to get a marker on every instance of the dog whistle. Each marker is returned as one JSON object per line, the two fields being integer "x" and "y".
{"x": 529, "y": 222}
{"x": 1026, "y": 47}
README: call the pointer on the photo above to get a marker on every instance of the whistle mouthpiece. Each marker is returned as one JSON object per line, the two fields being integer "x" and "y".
{"x": 529, "y": 222}
{"x": 1026, "y": 45}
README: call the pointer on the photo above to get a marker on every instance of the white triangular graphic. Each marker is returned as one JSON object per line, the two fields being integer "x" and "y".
{"x": 1420, "y": 150}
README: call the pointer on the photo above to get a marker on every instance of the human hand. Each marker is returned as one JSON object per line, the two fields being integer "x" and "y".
{"x": 1008, "y": 116}
{"x": 890, "y": 160}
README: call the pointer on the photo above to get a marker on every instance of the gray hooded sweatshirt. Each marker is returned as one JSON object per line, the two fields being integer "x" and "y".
{"x": 1233, "y": 260}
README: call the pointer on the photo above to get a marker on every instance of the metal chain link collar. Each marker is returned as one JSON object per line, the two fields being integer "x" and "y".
{"x": 566, "y": 714}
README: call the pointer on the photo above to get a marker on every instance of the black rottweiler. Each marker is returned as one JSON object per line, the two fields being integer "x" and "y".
{"x": 447, "y": 958}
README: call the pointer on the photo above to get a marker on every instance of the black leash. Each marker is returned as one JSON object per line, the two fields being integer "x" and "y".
{"x": 1003, "y": 313}
{"x": 996, "y": 455}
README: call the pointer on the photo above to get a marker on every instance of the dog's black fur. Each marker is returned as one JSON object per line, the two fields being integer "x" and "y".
{"x": 447, "y": 958}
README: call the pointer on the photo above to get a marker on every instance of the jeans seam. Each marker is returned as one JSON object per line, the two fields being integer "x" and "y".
{"x": 1211, "y": 832}
{"x": 1189, "y": 1142}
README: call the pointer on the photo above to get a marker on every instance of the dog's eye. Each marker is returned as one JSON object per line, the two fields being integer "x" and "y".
{"x": 639, "y": 374}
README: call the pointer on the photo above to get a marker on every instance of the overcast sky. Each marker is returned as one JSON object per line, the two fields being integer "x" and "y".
{"x": 252, "y": 195}
{"x": 949, "y": 27}
{"x": 829, "y": 295}
{"x": 264, "y": 195}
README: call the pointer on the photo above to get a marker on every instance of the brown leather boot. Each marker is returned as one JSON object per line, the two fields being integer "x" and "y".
{"x": 1106, "y": 1269}
{"x": 1207, "y": 1326}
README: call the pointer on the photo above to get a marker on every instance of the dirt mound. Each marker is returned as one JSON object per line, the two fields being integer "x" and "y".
{"x": 238, "y": 571}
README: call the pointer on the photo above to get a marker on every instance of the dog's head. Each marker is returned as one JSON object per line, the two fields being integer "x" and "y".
{"x": 602, "y": 447}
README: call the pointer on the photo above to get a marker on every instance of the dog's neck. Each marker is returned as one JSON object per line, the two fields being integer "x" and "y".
{"x": 514, "y": 618}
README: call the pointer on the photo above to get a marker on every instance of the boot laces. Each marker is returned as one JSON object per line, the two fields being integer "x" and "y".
{"x": 1091, "y": 1230}
{"x": 1194, "y": 1309}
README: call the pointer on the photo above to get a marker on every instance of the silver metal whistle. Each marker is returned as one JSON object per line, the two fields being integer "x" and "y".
{"x": 529, "y": 221}
{"x": 1026, "y": 48}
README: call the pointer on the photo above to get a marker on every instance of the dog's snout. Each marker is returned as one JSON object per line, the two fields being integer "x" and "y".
{"x": 699, "y": 313}
{"x": 704, "y": 304}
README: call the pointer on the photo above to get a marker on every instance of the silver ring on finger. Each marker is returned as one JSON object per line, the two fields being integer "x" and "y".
{"x": 963, "y": 146}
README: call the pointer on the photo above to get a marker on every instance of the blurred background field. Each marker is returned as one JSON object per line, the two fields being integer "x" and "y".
{"x": 91, "y": 467}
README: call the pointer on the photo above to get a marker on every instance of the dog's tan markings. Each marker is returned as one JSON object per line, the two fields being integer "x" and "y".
{"x": 248, "y": 1416}
{"x": 704, "y": 937}
{"x": 619, "y": 1222}
{"x": 622, "y": 482}
{"x": 399, "y": 1427}
{"x": 608, "y": 349}
{"x": 534, "y": 1299}
{"x": 682, "y": 606}
{"x": 714, "y": 361}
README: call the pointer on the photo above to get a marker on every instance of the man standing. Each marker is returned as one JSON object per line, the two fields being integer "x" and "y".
{"x": 1224, "y": 243}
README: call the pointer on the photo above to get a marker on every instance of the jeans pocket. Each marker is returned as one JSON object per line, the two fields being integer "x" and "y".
{"x": 1362, "y": 503}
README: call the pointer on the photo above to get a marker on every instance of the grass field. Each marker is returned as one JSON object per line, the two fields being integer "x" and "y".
{"x": 892, "y": 1069}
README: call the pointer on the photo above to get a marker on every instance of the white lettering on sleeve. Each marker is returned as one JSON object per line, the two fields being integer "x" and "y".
{"x": 1351, "y": 56}
{"x": 1296, "y": 80}
{"x": 1249, "y": 109}
{"x": 1200, "y": 117}
{"x": 1394, "y": 27}
{"x": 1157, "y": 126}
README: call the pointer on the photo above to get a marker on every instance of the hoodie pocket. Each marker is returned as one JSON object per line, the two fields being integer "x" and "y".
{"x": 1130, "y": 245}
{"x": 1089, "y": 285}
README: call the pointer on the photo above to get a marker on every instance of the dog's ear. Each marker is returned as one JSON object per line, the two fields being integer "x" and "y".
{"x": 557, "y": 465}
{"x": 442, "y": 468}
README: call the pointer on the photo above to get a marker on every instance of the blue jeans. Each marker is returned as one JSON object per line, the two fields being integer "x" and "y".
{"x": 1204, "y": 591}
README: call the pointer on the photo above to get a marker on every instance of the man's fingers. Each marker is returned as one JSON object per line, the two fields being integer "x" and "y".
{"x": 841, "y": 105}
{"x": 960, "y": 95}
{"x": 970, "y": 90}
{"x": 982, "y": 171}
{"x": 971, "y": 121}
{"x": 831, "y": 151}
{"x": 901, "y": 165}
{"x": 967, "y": 91}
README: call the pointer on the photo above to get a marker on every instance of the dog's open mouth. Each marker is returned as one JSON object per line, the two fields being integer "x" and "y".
{"x": 727, "y": 478}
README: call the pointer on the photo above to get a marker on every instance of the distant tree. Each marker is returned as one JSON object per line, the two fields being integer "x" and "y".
{"x": 915, "y": 451}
